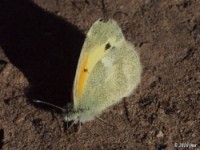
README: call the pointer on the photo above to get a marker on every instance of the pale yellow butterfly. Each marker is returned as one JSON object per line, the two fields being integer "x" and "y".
{"x": 109, "y": 69}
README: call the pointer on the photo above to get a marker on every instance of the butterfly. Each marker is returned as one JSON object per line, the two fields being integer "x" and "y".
{"x": 108, "y": 69}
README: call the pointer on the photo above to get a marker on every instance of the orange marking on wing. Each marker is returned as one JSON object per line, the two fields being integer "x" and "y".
{"x": 82, "y": 77}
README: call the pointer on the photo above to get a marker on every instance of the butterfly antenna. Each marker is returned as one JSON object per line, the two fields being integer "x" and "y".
{"x": 49, "y": 104}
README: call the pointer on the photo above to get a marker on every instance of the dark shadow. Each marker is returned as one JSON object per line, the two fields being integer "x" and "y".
{"x": 1, "y": 138}
{"x": 2, "y": 64}
{"x": 43, "y": 46}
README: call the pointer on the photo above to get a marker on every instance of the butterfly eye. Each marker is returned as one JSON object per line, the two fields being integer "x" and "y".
{"x": 107, "y": 46}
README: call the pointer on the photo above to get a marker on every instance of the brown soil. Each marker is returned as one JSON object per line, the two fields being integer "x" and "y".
{"x": 40, "y": 43}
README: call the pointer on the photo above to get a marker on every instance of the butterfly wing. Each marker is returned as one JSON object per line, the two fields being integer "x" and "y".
{"x": 92, "y": 52}
{"x": 108, "y": 69}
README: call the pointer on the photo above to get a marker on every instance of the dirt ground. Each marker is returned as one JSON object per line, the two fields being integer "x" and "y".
{"x": 40, "y": 42}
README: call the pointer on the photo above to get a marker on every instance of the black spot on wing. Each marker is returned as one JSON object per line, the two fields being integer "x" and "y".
{"x": 107, "y": 46}
{"x": 85, "y": 70}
